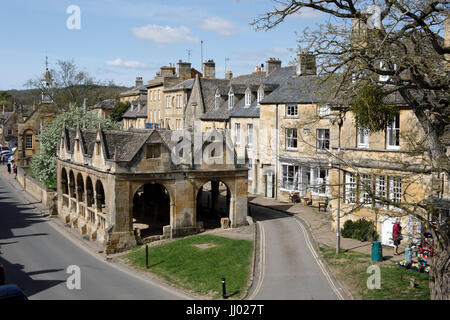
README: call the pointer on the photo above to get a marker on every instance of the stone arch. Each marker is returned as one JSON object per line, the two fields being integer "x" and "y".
{"x": 72, "y": 184}
{"x": 100, "y": 195}
{"x": 150, "y": 209}
{"x": 80, "y": 187}
{"x": 64, "y": 184}
{"x": 213, "y": 202}
{"x": 89, "y": 192}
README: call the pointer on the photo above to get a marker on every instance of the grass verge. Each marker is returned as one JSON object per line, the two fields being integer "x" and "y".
{"x": 350, "y": 268}
{"x": 200, "y": 270}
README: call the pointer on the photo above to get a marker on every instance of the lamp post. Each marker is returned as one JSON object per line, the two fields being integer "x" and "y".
{"x": 338, "y": 217}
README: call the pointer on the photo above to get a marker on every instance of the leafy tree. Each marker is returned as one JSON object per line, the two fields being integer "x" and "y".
{"x": 5, "y": 98}
{"x": 70, "y": 85}
{"x": 388, "y": 47}
{"x": 44, "y": 162}
{"x": 119, "y": 109}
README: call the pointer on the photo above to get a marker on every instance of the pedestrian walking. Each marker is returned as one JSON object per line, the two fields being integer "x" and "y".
{"x": 15, "y": 171}
{"x": 9, "y": 167}
{"x": 396, "y": 236}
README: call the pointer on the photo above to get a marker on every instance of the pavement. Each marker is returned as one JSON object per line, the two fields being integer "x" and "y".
{"x": 319, "y": 224}
{"x": 44, "y": 258}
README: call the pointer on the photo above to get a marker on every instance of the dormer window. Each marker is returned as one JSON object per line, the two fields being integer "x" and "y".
{"x": 230, "y": 99}
{"x": 260, "y": 95}
{"x": 217, "y": 99}
{"x": 248, "y": 98}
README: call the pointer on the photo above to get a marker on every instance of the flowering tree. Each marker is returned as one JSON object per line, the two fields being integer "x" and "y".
{"x": 44, "y": 162}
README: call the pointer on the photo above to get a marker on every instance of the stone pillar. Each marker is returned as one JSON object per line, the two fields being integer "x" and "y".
{"x": 232, "y": 213}
{"x": 172, "y": 217}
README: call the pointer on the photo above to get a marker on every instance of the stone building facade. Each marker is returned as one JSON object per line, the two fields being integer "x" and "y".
{"x": 112, "y": 183}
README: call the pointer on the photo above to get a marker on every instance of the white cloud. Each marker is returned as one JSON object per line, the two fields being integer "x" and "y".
{"x": 219, "y": 25}
{"x": 165, "y": 35}
{"x": 127, "y": 64}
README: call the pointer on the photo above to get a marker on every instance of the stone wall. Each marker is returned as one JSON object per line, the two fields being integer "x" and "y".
{"x": 38, "y": 191}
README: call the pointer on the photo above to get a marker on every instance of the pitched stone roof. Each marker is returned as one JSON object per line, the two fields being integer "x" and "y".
{"x": 105, "y": 104}
{"x": 135, "y": 91}
{"x": 185, "y": 85}
{"x": 118, "y": 145}
{"x": 134, "y": 111}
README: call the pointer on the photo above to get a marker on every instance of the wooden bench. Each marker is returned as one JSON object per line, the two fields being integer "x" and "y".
{"x": 323, "y": 204}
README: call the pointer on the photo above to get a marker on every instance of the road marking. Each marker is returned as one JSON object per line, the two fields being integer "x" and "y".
{"x": 262, "y": 262}
{"x": 319, "y": 262}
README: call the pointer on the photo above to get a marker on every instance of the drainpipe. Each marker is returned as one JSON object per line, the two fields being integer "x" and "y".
{"x": 276, "y": 153}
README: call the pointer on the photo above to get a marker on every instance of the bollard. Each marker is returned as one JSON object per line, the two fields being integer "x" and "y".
{"x": 224, "y": 289}
{"x": 146, "y": 256}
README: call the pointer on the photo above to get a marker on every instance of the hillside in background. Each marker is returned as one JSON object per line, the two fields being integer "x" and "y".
{"x": 94, "y": 94}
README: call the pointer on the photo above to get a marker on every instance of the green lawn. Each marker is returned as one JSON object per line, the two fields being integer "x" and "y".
{"x": 351, "y": 269}
{"x": 200, "y": 270}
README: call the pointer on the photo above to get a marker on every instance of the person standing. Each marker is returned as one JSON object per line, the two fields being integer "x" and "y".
{"x": 15, "y": 171}
{"x": 9, "y": 167}
{"x": 396, "y": 236}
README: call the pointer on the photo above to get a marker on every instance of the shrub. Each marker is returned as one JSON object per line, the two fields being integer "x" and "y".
{"x": 362, "y": 230}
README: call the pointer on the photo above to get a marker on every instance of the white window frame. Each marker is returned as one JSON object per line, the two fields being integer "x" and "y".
{"x": 364, "y": 197}
{"x": 287, "y": 181}
{"x": 321, "y": 139}
{"x": 363, "y": 138}
{"x": 323, "y": 110}
{"x": 380, "y": 189}
{"x": 237, "y": 134}
{"x": 248, "y": 98}
{"x": 395, "y": 189}
{"x": 350, "y": 188}
{"x": 393, "y": 132}
{"x": 167, "y": 102}
{"x": 230, "y": 99}
{"x": 250, "y": 134}
{"x": 291, "y": 139}
{"x": 383, "y": 67}
{"x": 260, "y": 96}
{"x": 319, "y": 185}
{"x": 292, "y": 110}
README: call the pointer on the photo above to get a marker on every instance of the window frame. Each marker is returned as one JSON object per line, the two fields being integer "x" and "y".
{"x": 393, "y": 127}
{"x": 321, "y": 141}
{"x": 289, "y": 113}
{"x": 291, "y": 138}
{"x": 27, "y": 147}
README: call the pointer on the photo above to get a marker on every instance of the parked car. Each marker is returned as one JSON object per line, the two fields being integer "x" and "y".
{"x": 11, "y": 292}
{"x": 2, "y": 275}
{"x": 3, "y": 148}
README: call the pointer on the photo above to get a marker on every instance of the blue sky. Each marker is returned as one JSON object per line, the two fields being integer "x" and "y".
{"x": 120, "y": 40}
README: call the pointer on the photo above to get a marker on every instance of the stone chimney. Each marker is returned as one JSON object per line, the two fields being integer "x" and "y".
{"x": 272, "y": 64}
{"x": 139, "y": 82}
{"x": 229, "y": 75}
{"x": 184, "y": 70}
{"x": 167, "y": 71}
{"x": 306, "y": 64}
{"x": 209, "y": 69}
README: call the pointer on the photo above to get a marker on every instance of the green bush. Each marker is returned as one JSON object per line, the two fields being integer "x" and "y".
{"x": 362, "y": 230}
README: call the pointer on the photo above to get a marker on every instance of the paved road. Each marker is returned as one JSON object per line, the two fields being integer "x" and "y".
{"x": 289, "y": 268}
{"x": 36, "y": 256}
